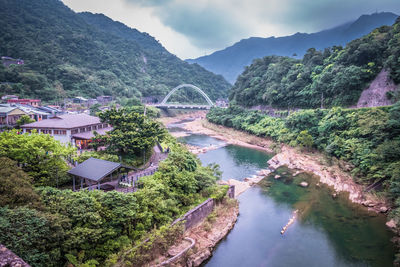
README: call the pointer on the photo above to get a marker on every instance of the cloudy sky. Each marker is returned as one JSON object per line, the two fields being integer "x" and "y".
{"x": 193, "y": 28}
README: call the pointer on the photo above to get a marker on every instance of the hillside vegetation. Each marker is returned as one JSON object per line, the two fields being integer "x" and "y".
{"x": 333, "y": 77}
{"x": 231, "y": 61}
{"x": 68, "y": 54}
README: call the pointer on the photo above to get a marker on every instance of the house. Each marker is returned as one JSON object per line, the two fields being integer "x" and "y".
{"x": 79, "y": 100}
{"x": 9, "y": 115}
{"x": 104, "y": 99}
{"x": 221, "y": 102}
{"x": 32, "y": 102}
{"x": 76, "y": 129}
{"x": 52, "y": 109}
{"x": 7, "y": 61}
{"x": 6, "y": 97}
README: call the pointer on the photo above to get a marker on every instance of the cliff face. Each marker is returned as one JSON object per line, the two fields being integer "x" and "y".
{"x": 376, "y": 93}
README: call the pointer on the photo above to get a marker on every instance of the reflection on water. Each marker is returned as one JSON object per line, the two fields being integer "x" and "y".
{"x": 235, "y": 162}
{"x": 328, "y": 232}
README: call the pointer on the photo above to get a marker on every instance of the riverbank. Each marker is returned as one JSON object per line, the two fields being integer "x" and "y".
{"x": 334, "y": 173}
{"x": 206, "y": 235}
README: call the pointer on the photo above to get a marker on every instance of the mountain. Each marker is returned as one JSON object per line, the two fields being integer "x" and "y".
{"x": 231, "y": 61}
{"x": 68, "y": 54}
{"x": 333, "y": 77}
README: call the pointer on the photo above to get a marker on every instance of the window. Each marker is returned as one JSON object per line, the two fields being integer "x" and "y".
{"x": 89, "y": 129}
{"x": 99, "y": 126}
{"x": 28, "y": 130}
{"x": 105, "y": 125}
{"x": 60, "y": 132}
{"x": 74, "y": 131}
{"x": 46, "y": 131}
{"x": 82, "y": 130}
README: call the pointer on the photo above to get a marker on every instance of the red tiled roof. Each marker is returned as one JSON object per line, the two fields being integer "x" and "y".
{"x": 67, "y": 121}
{"x": 23, "y": 100}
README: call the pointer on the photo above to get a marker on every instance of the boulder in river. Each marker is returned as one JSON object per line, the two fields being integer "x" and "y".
{"x": 383, "y": 209}
{"x": 303, "y": 184}
{"x": 391, "y": 224}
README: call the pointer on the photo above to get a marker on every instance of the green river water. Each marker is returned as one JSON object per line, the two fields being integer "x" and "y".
{"x": 328, "y": 231}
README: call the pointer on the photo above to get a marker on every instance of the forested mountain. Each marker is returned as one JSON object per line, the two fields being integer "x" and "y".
{"x": 68, "y": 54}
{"x": 230, "y": 62}
{"x": 334, "y": 77}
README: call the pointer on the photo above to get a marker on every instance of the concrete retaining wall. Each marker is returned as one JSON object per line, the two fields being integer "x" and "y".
{"x": 197, "y": 214}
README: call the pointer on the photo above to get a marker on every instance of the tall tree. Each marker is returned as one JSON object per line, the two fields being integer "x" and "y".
{"x": 132, "y": 132}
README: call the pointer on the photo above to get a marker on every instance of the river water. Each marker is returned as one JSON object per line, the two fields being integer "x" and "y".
{"x": 327, "y": 232}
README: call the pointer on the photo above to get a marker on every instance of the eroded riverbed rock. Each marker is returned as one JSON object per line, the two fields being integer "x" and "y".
{"x": 331, "y": 175}
{"x": 303, "y": 184}
{"x": 391, "y": 224}
{"x": 383, "y": 209}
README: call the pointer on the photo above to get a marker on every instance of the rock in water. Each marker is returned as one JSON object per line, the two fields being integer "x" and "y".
{"x": 383, "y": 209}
{"x": 391, "y": 224}
{"x": 277, "y": 176}
{"x": 303, "y": 184}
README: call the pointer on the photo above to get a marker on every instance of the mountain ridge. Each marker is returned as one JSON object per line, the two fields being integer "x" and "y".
{"x": 230, "y": 62}
{"x": 65, "y": 57}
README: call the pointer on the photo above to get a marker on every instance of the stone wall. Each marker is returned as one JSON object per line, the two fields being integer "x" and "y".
{"x": 8, "y": 258}
{"x": 197, "y": 214}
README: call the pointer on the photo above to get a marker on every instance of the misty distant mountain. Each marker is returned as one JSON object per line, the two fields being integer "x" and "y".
{"x": 230, "y": 62}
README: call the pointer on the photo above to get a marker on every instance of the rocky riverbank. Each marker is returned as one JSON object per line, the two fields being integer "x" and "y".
{"x": 333, "y": 175}
{"x": 205, "y": 236}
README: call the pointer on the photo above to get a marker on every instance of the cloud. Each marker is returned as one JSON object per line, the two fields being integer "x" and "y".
{"x": 204, "y": 23}
{"x": 191, "y": 28}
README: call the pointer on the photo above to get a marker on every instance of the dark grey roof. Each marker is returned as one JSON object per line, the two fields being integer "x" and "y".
{"x": 89, "y": 135}
{"x": 95, "y": 169}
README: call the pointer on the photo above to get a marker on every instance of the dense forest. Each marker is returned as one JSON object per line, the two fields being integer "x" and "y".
{"x": 367, "y": 138}
{"x": 68, "y": 54}
{"x": 333, "y": 77}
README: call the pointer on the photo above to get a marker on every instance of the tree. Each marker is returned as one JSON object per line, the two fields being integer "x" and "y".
{"x": 132, "y": 132}
{"x": 40, "y": 155}
{"x": 15, "y": 185}
{"x": 304, "y": 139}
{"x": 25, "y": 119}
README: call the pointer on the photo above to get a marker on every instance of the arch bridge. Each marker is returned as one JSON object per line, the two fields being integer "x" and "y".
{"x": 163, "y": 104}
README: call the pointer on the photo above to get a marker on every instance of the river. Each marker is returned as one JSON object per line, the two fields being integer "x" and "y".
{"x": 327, "y": 232}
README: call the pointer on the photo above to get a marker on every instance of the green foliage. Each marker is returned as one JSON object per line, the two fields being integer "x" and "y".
{"x": 68, "y": 54}
{"x": 32, "y": 234}
{"x": 15, "y": 186}
{"x": 154, "y": 244}
{"x": 132, "y": 132}
{"x": 40, "y": 155}
{"x": 334, "y": 77}
{"x": 304, "y": 139}
{"x": 25, "y": 119}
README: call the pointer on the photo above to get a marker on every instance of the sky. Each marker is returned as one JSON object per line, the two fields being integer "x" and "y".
{"x": 193, "y": 28}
